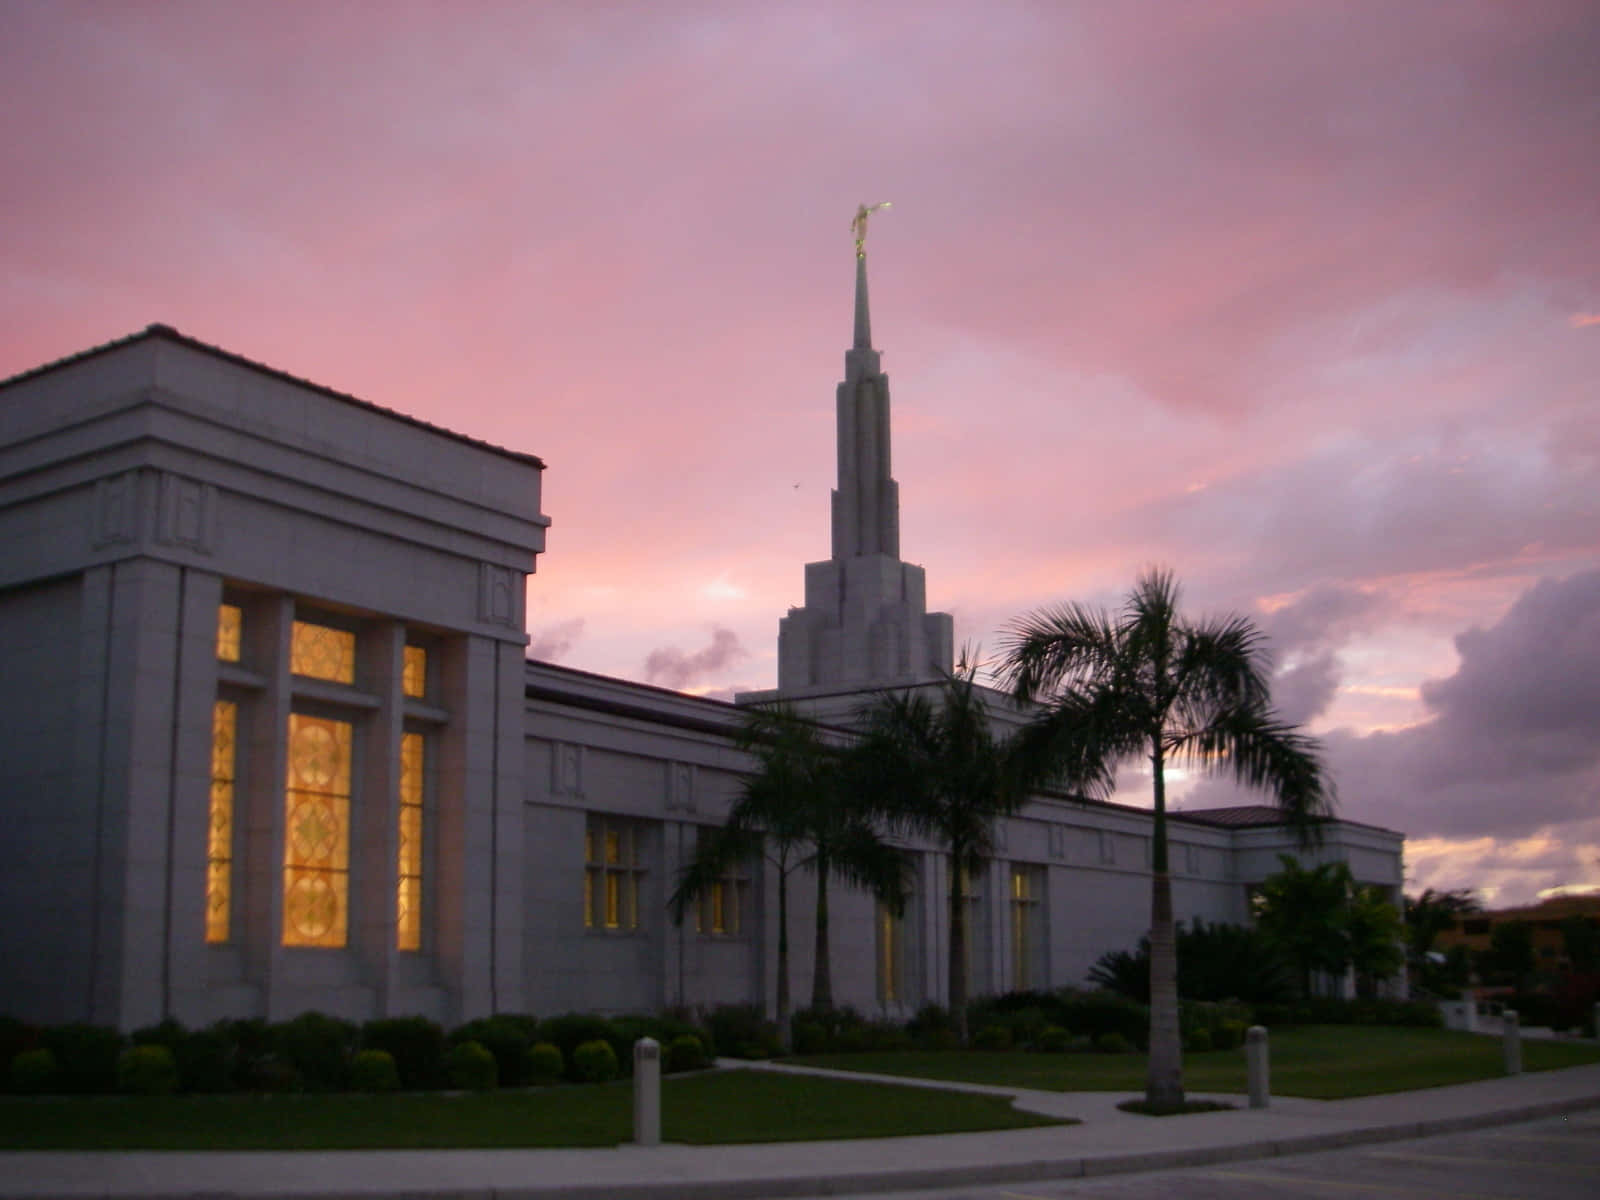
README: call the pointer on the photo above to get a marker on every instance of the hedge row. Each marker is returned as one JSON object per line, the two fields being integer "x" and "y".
{"x": 316, "y": 1052}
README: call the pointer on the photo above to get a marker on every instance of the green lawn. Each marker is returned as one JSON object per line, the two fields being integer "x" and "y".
{"x": 707, "y": 1108}
{"x": 1322, "y": 1062}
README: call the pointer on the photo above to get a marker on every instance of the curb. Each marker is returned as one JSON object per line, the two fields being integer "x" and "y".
{"x": 907, "y": 1179}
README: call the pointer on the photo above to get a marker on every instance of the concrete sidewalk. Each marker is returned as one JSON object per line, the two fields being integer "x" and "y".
{"x": 1107, "y": 1142}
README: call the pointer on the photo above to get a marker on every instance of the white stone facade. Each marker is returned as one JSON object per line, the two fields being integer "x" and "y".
{"x": 149, "y": 485}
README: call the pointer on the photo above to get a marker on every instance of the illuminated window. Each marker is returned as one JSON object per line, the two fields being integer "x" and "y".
{"x": 891, "y": 955}
{"x": 316, "y": 847}
{"x": 322, "y": 652}
{"x": 414, "y": 673}
{"x": 408, "y": 902}
{"x": 219, "y": 839}
{"x": 720, "y": 912}
{"x": 613, "y": 869}
{"x": 230, "y": 632}
{"x": 1027, "y": 886}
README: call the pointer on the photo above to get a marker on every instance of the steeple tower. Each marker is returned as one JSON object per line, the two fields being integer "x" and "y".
{"x": 865, "y": 623}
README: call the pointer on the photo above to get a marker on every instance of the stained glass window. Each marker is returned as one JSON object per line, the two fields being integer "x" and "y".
{"x": 891, "y": 955}
{"x": 219, "y": 838}
{"x": 1027, "y": 886}
{"x": 230, "y": 632}
{"x": 322, "y": 652}
{"x": 408, "y": 902}
{"x": 721, "y": 908}
{"x": 414, "y": 673}
{"x": 316, "y": 848}
{"x": 611, "y": 880}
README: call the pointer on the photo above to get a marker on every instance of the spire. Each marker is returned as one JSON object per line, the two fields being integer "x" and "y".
{"x": 863, "y": 339}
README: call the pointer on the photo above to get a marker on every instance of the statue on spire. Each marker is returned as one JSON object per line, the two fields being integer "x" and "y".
{"x": 858, "y": 226}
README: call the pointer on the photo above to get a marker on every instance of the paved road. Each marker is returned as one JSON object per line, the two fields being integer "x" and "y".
{"x": 1553, "y": 1159}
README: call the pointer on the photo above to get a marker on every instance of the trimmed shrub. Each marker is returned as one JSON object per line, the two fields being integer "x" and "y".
{"x": 1080, "y": 1044}
{"x": 15, "y": 1037}
{"x": 808, "y": 1037}
{"x": 1229, "y": 1035}
{"x": 992, "y": 1037}
{"x": 887, "y": 1036}
{"x": 33, "y": 1071}
{"x": 205, "y": 1061}
{"x": 1112, "y": 1043}
{"x": 1052, "y": 1039}
{"x": 545, "y": 1064}
{"x": 415, "y": 1045}
{"x": 686, "y": 1052}
{"x": 374, "y": 1071}
{"x": 933, "y": 1028}
{"x": 594, "y": 1062}
{"x": 249, "y": 1046}
{"x": 743, "y": 1031}
{"x": 86, "y": 1056}
{"x": 147, "y": 1070}
{"x": 1097, "y": 1013}
{"x": 571, "y": 1030}
{"x": 1199, "y": 1041}
{"x": 508, "y": 1038}
{"x": 318, "y": 1047}
{"x": 470, "y": 1068}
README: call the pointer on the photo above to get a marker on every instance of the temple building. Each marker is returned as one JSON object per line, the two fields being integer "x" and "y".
{"x": 269, "y": 740}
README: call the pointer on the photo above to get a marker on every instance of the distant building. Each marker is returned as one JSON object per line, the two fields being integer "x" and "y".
{"x": 1545, "y": 920}
{"x": 269, "y": 741}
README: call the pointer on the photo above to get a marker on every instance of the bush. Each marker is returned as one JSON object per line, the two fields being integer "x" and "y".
{"x": 86, "y": 1056}
{"x": 205, "y": 1060}
{"x": 374, "y": 1071}
{"x": 509, "y": 1038}
{"x": 686, "y": 1052}
{"x": 1080, "y": 1044}
{"x": 1199, "y": 1041}
{"x": 1052, "y": 1039}
{"x": 1097, "y": 1013}
{"x": 933, "y": 1028}
{"x": 470, "y": 1068}
{"x": 545, "y": 1064}
{"x": 415, "y": 1045}
{"x": 1112, "y": 1043}
{"x": 886, "y": 1036}
{"x": 992, "y": 1037}
{"x": 318, "y": 1047}
{"x": 571, "y": 1030}
{"x": 594, "y": 1062}
{"x": 808, "y": 1037}
{"x": 15, "y": 1037}
{"x": 249, "y": 1047}
{"x": 33, "y": 1071}
{"x": 738, "y": 1029}
{"x": 1229, "y": 1035}
{"x": 147, "y": 1070}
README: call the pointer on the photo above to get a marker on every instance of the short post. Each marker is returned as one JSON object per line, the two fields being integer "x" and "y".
{"x": 1511, "y": 1044}
{"x": 1256, "y": 1066}
{"x": 647, "y": 1092}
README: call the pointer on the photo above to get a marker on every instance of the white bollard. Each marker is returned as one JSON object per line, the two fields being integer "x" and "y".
{"x": 1256, "y": 1066}
{"x": 1511, "y": 1044}
{"x": 647, "y": 1092}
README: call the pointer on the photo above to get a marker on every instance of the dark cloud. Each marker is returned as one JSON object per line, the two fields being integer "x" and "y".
{"x": 1303, "y": 692}
{"x": 673, "y": 668}
{"x": 556, "y": 642}
{"x": 1511, "y": 746}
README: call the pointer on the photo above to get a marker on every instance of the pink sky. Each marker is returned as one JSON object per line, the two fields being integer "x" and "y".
{"x": 1300, "y": 299}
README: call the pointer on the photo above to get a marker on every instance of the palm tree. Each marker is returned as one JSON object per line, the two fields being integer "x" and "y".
{"x": 799, "y": 811}
{"x": 1147, "y": 682}
{"x": 943, "y": 772}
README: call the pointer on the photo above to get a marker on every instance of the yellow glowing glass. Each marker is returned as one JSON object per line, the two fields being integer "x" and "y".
{"x": 219, "y": 837}
{"x": 322, "y": 652}
{"x": 414, "y": 673}
{"x": 316, "y": 836}
{"x": 408, "y": 902}
{"x": 230, "y": 632}
{"x": 888, "y": 954}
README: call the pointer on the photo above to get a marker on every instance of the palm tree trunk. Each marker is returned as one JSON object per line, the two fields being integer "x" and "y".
{"x": 1164, "y": 1081}
{"x": 958, "y": 952}
{"x": 822, "y": 971}
{"x": 783, "y": 957}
